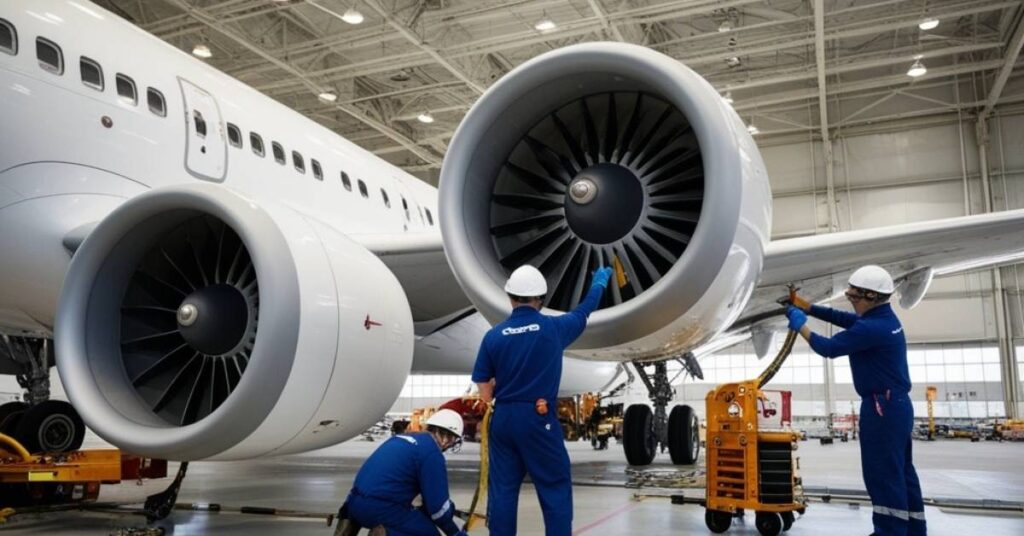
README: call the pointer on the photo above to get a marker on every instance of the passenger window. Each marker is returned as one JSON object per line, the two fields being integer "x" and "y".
{"x": 234, "y": 136}
{"x": 300, "y": 164}
{"x": 92, "y": 73}
{"x": 49, "y": 55}
{"x": 126, "y": 89}
{"x": 318, "y": 172}
{"x": 345, "y": 181}
{"x": 430, "y": 218}
{"x": 156, "y": 102}
{"x": 256, "y": 142}
{"x": 200, "y": 122}
{"x": 405, "y": 207}
{"x": 384, "y": 196}
{"x": 362, "y": 189}
{"x": 278, "y": 153}
{"x": 8, "y": 38}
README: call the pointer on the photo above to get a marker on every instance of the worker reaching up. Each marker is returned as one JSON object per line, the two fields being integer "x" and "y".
{"x": 519, "y": 366}
{"x": 875, "y": 342}
{"x": 403, "y": 467}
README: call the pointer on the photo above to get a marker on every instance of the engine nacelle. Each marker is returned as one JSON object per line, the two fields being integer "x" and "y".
{"x": 197, "y": 323}
{"x": 601, "y": 154}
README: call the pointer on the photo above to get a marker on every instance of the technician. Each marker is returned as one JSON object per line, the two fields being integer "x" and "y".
{"x": 403, "y": 467}
{"x": 523, "y": 357}
{"x": 875, "y": 342}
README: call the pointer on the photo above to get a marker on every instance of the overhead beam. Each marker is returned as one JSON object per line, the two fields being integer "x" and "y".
{"x": 431, "y": 51}
{"x": 203, "y": 17}
{"x": 826, "y": 142}
{"x": 608, "y": 26}
{"x": 1011, "y": 54}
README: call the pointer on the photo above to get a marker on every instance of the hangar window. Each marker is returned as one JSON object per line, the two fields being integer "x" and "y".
{"x": 384, "y": 196}
{"x": 256, "y": 142}
{"x": 156, "y": 102}
{"x": 234, "y": 136}
{"x": 318, "y": 172}
{"x": 49, "y": 55}
{"x": 126, "y": 89}
{"x": 92, "y": 73}
{"x": 430, "y": 217}
{"x": 300, "y": 164}
{"x": 345, "y": 181}
{"x": 8, "y": 38}
{"x": 362, "y": 189}
{"x": 278, "y": 153}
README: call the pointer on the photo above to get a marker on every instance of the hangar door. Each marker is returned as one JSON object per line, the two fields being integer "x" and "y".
{"x": 206, "y": 149}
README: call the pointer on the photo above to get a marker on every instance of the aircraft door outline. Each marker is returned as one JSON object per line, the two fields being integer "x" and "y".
{"x": 206, "y": 148}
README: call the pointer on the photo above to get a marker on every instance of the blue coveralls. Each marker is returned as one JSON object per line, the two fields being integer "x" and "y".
{"x": 403, "y": 467}
{"x": 524, "y": 356}
{"x": 877, "y": 348}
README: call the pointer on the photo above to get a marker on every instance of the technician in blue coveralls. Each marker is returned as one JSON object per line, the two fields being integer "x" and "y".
{"x": 403, "y": 467}
{"x": 520, "y": 367}
{"x": 874, "y": 340}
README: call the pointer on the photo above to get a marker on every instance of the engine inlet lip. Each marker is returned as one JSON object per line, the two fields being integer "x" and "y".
{"x": 90, "y": 364}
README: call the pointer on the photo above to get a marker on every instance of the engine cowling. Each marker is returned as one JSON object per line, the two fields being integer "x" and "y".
{"x": 601, "y": 154}
{"x": 198, "y": 323}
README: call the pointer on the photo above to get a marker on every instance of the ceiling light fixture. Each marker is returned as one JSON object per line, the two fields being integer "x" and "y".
{"x": 725, "y": 26}
{"x": 753, "y": 130}
{"x": 917, "y": 69}
{"x": 545, "y": 24}
{"x": 425, "y": 117}
{"x": 727, "y": 97}
{"x": 327, "y": 96}
{"x": 733, "y": 61}
{"x": 352, "y": 16}
{"x": 929, "y": 24}
{"x": 202, "y": 51}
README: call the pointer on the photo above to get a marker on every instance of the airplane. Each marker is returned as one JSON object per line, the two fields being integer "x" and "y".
{"x": 223, "y": 278}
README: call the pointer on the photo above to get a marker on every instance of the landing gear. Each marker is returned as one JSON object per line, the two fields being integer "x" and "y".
{"x": 51, "y": 426}
{"x": 644, "y": 430}
{"x": 40, "y": 424}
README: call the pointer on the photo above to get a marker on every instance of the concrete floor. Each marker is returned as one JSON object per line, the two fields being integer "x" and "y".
{"x": 318, "y": 481}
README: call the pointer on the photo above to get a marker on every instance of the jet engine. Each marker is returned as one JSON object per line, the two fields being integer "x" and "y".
{"x": 606, "y": 154}
{"x": 198, "y": 323}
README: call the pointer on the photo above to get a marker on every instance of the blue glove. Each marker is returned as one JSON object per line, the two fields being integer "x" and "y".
{"x": 797, "y": 318}
{"x": 601, "y": 277}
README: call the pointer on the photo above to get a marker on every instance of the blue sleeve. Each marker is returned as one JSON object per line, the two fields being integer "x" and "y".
{"x": 833, "y": 316}
{"x": 434, "y": 489}
{"x": 856, "y": 339}
{"x": 483, "y": 370}
{"x": 571, "y": 325}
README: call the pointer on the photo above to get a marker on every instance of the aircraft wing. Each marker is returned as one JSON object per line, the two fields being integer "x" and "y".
{"x": 913, "y": 253}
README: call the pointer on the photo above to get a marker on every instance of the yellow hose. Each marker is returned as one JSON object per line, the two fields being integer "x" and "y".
{"x": 481, "y": 486}
{"x": 12, "y": 445}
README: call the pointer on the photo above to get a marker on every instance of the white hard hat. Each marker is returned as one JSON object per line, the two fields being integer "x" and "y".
{"x": 527, "y": 282}
{"x": 874, "y": 278}
{"x": 447, "y": 419}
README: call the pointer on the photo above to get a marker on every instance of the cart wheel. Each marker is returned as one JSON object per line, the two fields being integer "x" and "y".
{"x": 717, "y": 521}
{"x": 787, "y": 520}
{"x": 768, "y": 523}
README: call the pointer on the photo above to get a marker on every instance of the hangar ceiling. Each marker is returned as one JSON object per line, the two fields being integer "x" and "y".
{"x": 777, "y": 59}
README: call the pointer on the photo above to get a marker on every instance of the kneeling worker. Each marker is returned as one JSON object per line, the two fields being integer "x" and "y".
{"x": 403, "y": 467}
{"x": 875, "y": 342}
{"x": 523, "y": 357}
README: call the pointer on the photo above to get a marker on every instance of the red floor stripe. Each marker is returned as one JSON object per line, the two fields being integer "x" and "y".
{"x": 622, "y": 509}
